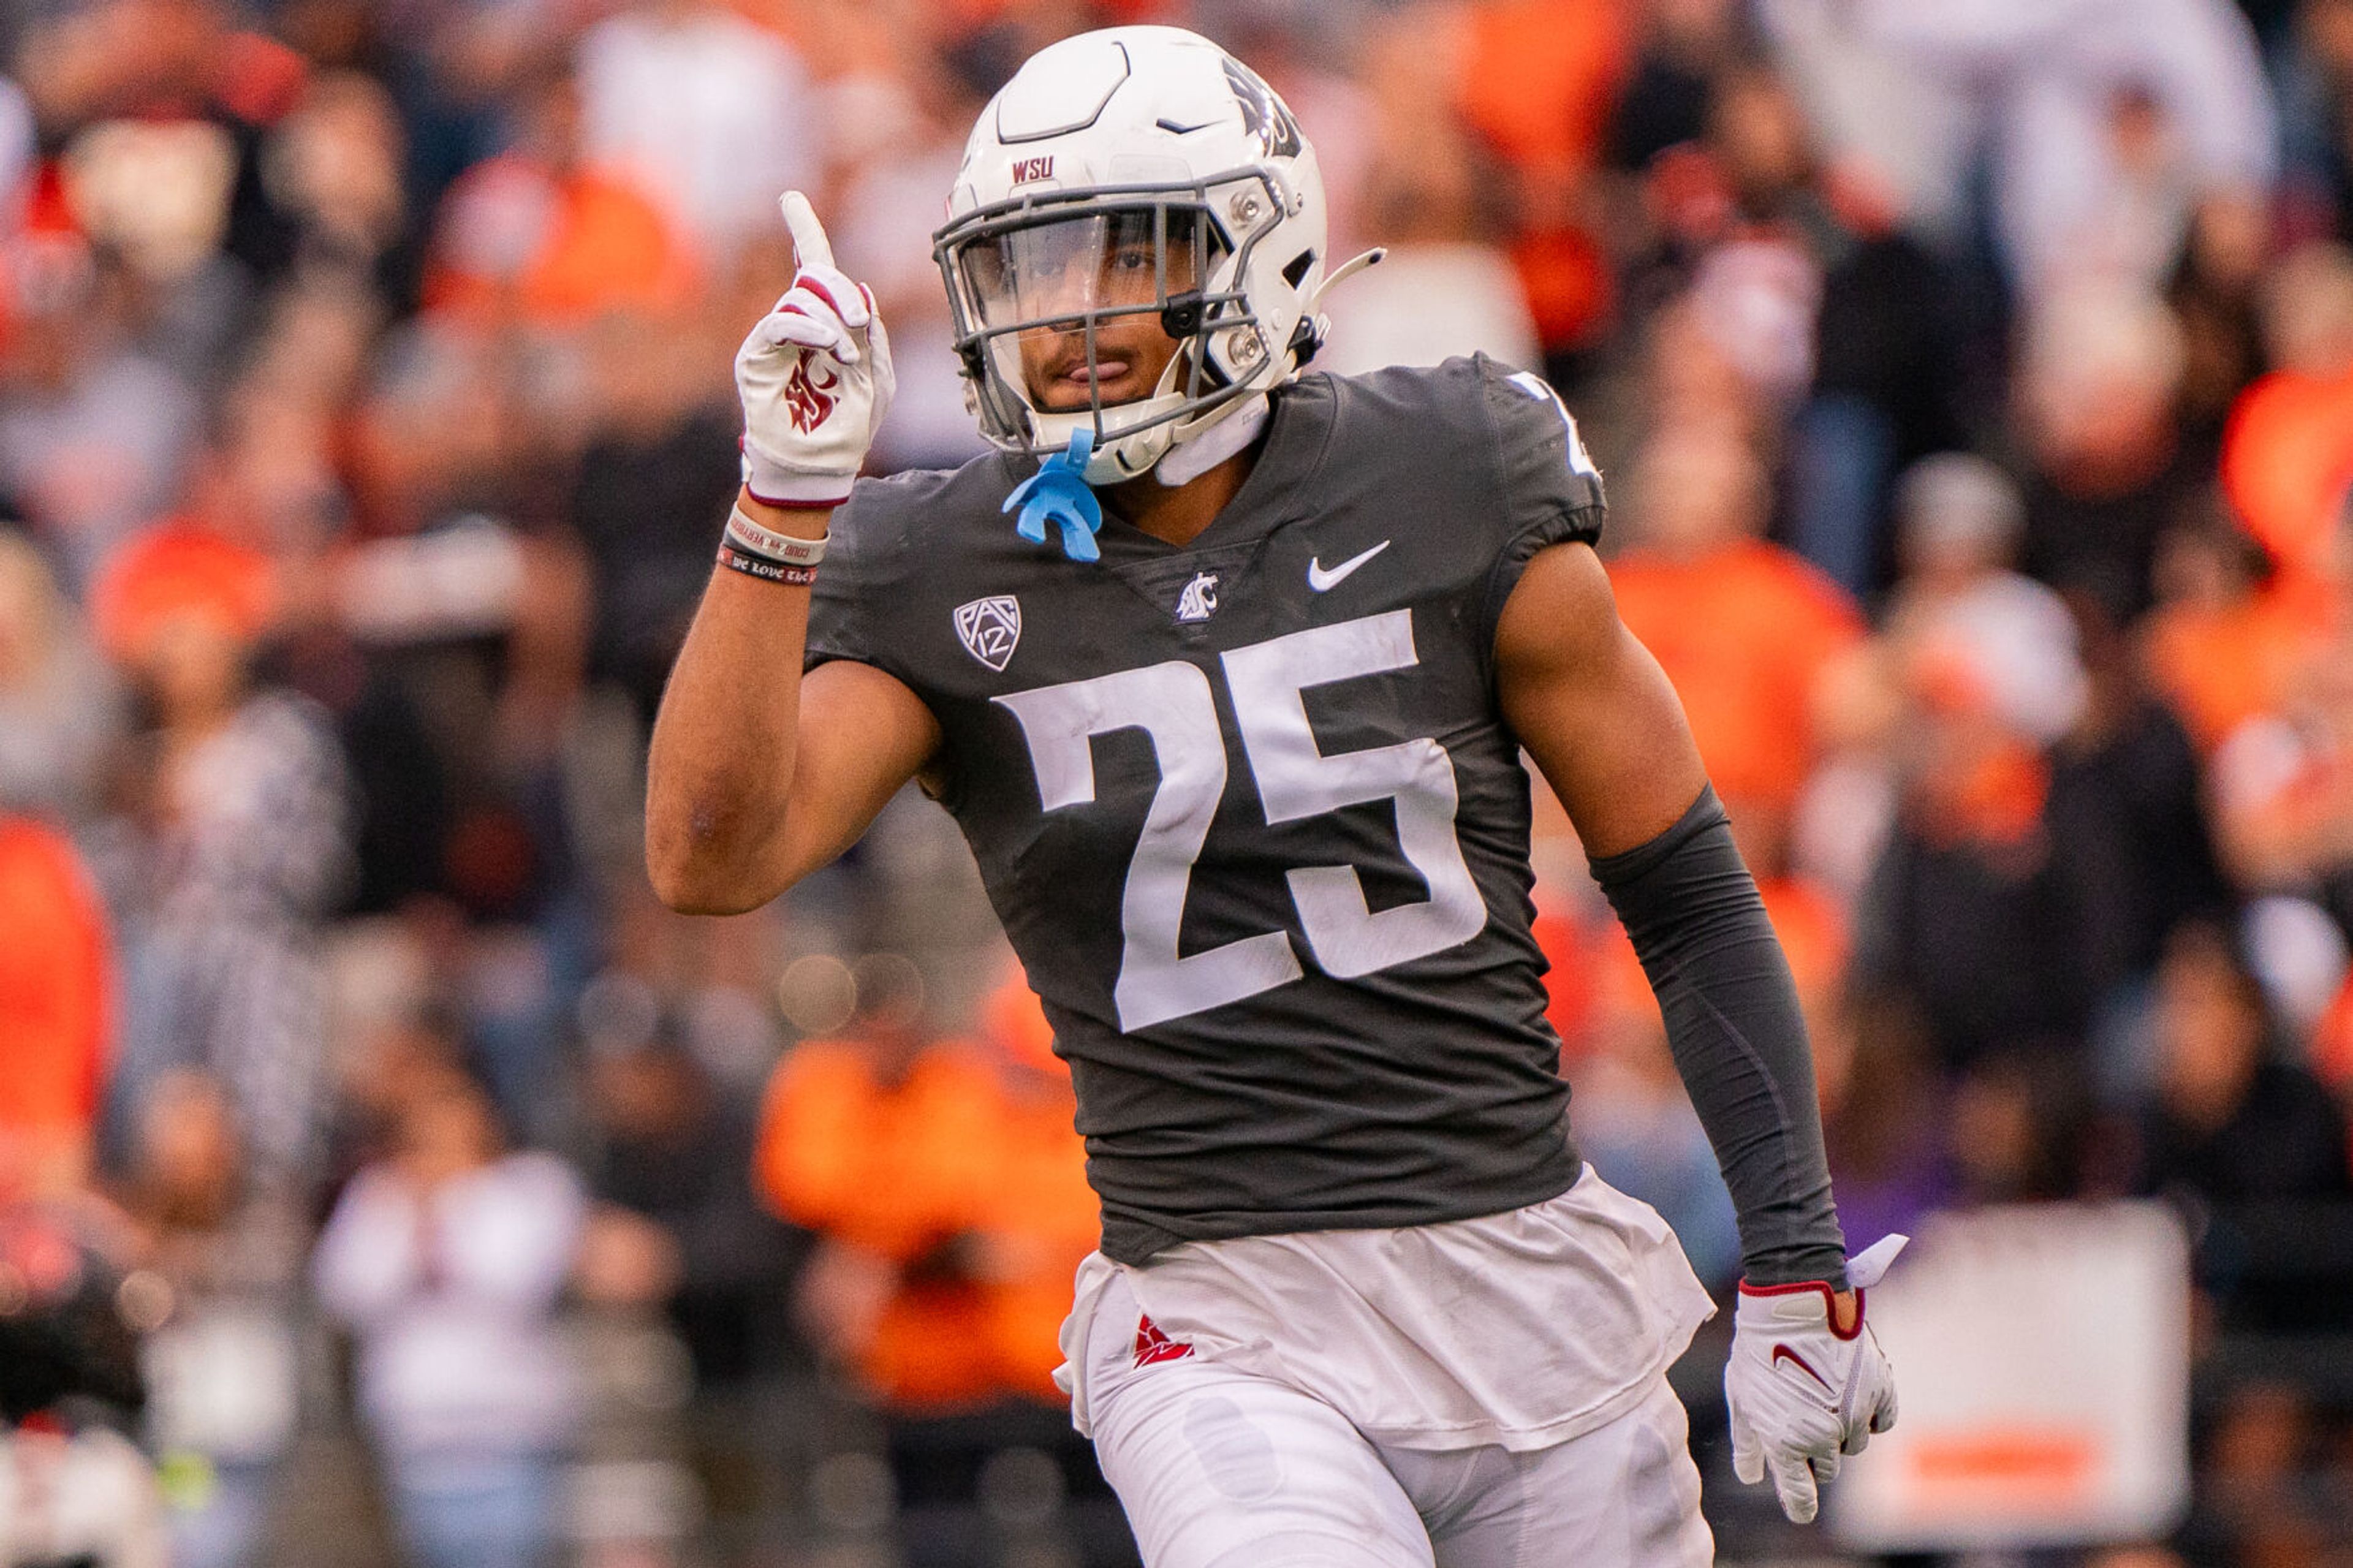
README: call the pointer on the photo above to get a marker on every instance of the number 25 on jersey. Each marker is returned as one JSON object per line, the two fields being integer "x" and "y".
{"x": 1171, "y": 704}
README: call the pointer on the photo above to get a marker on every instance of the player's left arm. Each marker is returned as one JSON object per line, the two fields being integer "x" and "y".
{"x": 1604, "y": 726}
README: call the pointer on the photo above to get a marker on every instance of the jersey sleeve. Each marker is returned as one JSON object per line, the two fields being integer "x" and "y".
{"x": 1547, "y": 489}
{"x": 863, "y": 559}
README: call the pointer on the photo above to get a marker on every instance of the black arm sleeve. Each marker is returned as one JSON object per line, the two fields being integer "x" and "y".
{"x": 1738, "y": 1037}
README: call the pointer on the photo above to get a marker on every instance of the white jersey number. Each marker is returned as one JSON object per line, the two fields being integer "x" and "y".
{"x": 1171, "y": 704}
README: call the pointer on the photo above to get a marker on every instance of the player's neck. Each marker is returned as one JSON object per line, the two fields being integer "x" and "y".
{"x": 1178, "y": 513}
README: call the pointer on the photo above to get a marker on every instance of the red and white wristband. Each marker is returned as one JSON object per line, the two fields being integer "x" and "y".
{"x": 762, "y": 553}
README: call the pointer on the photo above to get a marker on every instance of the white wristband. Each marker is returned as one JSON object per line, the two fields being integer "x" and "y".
{"x": 789, "y": 548}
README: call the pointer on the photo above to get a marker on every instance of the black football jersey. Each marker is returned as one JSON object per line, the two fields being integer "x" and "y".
{"x": 1247, "y": 808}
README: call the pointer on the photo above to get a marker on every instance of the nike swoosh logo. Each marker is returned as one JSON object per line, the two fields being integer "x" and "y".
{"x": 1323, "y": 581}
{"x": 1782, "y": 1352}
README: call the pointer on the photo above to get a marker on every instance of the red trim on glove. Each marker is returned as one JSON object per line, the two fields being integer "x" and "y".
{"x": 795, "y": 505}
{"x": 1829, "y": 1301}
{"x": 822, "y": 293}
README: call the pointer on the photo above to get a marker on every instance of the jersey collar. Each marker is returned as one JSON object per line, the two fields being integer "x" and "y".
{"x": 1299, "y": 431}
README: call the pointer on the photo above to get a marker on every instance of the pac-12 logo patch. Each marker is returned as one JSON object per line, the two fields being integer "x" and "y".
{"x": 1198, "y": 601}
{"x": 990, "y": 628}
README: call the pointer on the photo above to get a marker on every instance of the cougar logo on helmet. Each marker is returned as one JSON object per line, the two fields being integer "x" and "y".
{"x": 1264, "y": 115}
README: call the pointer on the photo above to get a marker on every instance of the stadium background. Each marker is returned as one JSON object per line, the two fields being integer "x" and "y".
{"x": 1974, "y": 384}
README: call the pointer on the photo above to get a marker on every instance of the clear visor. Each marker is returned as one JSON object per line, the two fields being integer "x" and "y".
{"x": 1066, "y": 271}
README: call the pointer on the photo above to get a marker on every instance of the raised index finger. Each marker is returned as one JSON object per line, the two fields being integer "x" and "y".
{"x": 809, "y": 245}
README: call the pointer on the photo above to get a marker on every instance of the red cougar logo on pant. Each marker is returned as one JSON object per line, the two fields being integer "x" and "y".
{"x": 808, "y": 399}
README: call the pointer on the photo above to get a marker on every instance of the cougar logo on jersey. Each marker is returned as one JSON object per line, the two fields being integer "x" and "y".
{"x": 990, "y": 629}
{"x": 1198, "y": 601}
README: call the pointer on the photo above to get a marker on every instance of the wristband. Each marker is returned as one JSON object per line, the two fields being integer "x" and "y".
{"x": 752, "y": 539}
{"x": 769, "y": 571}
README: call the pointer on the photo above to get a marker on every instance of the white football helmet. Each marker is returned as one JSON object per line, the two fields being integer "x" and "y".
{"x": 1108, "y": 152}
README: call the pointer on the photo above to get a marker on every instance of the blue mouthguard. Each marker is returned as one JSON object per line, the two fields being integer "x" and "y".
{"x": 1057, "y": 493}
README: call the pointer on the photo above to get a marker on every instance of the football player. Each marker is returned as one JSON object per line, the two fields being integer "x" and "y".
{"x": 1225, "y": 669}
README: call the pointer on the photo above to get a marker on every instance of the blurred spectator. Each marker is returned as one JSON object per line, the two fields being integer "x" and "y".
{"x": 16, "y": 145}
{"x": 74, "y": 1488}
{"x": 221, "y": 1358}
{"x": 1444, "y": 290}
{"x": 57, "y": 1005}
{"x": 2316, "y": 112}
{"x": 334, "y": 166}
{"x": 466, "y": 617}
{"x": 92, "y": 432}
{"x": 2128, "y": 816}
{"x": 1686, "y": 48}
{"x": 1437, "y": 199}
{"x": 948, "y": 1192}
{"x": 670, "y": 1146}
{"x": 1536, "y": 82}
{"x": 2248, "y": 1139}
{"x": 2224, "y": 642}
{"x": 2287, "y": 459}
{"x": 1961, "y": 596}
{"x": 2087, "y": 109}
{"x": 1969, "y": 917}
{"x": 660, "y": 470}
{"x": 2233, "y": 1118}
{"x": 2098, "y": 375}
{"x": 883, "y": 1142}
{"x": 2283, "y": 782}
{"x": 241, "y": 801}
{"x": 709, "y": 113}
{"x": 447, "y": 1262}
{"x": 60, "y": 708}
{"x": 1744, "y": 628}
{"x": 546, "y": 237}
{"x": 163, "y": 108}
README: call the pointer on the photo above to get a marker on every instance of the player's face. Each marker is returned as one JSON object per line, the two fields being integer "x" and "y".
{"x": 1107, "y": 264}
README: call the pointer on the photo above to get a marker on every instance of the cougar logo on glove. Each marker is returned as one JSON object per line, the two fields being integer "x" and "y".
{"x": 809, "y": 400}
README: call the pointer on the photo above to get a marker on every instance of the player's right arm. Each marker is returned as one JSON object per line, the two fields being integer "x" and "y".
{"x": 760, "y": 774}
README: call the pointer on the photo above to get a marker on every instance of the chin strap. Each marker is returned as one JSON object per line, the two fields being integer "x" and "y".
{"x": 1058, "y": 494}
{"x": 1188, "y": 460}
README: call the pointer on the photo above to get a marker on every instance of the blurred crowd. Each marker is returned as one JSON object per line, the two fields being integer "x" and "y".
{"x": 386, "y": 1177}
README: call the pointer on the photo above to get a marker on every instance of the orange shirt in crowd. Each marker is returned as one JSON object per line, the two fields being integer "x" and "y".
{"x": 1542, "y": 78}
{"x": 2218, "y": 667}
{"x": 961, "y": 1151}
{"x": 557, "y": 249}
{"x": 2288, "y": 464}
{"x": 1745, "y": 633}
{"x": 56, "y": 990}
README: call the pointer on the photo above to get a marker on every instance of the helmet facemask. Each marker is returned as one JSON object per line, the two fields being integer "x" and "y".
{"x": 1045, "y": 290}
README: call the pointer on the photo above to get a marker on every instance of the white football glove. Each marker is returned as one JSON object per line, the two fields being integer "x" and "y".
{"x": 815, "y": 377}
{"x": 1801, "y": 1393}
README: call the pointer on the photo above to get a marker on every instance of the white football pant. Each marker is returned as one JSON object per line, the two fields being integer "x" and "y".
{"x": 1223, "y": 1469}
